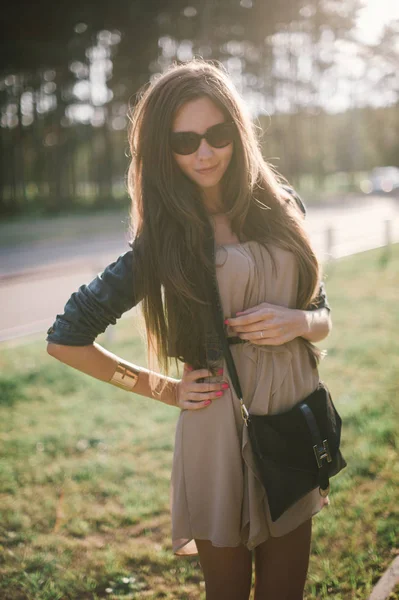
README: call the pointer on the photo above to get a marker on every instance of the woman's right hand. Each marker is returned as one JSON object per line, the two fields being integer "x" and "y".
{"x": 191, "y": 395}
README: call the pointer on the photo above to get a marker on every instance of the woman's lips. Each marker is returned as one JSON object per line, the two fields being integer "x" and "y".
{"x": 208, "y": 170}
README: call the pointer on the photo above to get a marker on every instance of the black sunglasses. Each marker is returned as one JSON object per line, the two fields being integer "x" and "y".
{"x": 217, "y": 136}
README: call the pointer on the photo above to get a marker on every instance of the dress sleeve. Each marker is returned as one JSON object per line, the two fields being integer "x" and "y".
{"x": 96, "y": 305}
{"x": 321, "y": 301}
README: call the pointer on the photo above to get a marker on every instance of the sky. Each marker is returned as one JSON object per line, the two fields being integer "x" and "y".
{"x": 373, "y": 17}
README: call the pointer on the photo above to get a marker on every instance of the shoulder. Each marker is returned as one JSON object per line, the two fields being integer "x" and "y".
{"x": 292, "y": 196}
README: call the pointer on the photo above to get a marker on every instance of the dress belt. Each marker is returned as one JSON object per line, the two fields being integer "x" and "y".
{"x": 235, "y": 340}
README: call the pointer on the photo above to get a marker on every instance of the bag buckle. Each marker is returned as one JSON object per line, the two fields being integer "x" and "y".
{"x": 322, "y": 453}
{"x": 324, "y": 493}
{"x": 244, "y": 412}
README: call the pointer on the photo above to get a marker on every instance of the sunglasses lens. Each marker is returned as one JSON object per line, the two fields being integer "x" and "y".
{"x": 187, "y": 142}
{"x": 221, "y": 135}
{"x": 184, "y": 142}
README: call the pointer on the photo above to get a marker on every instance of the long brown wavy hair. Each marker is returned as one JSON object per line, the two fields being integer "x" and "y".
{"x": 171, "y": 227}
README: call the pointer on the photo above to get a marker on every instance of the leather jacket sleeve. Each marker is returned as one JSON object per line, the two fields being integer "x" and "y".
{"x": 321, "y": 301}
{"x": 96, "y": 305}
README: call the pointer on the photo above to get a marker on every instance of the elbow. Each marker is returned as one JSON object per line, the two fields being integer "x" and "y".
{"x": 329, "y": 324}
{"x": 319, "y": 326}
{"x": 58, "y": 351}
{"x": 327, "y": 328}
{"x": 64, "y": 352}
{"x": 53, "y": 349}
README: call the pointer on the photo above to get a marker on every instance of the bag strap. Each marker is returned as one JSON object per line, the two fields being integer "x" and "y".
{"x": 320, "y": 447}
{"x": 220, "y": 328}
{"x": 219, "y": 317}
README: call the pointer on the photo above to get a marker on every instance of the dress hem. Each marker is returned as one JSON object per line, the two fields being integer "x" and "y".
{"x": 251, "y": 545}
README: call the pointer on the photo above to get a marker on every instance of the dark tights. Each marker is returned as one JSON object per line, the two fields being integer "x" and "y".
{"x": 281, "y": 566}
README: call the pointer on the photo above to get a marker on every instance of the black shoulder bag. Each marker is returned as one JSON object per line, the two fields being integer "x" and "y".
{"x": 295, "y": 451}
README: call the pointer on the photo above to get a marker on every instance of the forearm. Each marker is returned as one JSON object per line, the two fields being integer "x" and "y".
{"x": 316, "y": 324}
{"x": 96, "y": 361}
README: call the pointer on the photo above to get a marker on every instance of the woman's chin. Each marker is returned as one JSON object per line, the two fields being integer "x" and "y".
{"x": 209, "y": 182}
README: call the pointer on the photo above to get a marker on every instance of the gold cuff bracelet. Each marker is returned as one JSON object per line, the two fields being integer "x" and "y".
{"x": 125, "y": 377}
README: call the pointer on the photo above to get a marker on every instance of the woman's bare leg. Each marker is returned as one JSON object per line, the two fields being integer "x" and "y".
{"x": 227, "y": 571}
{"x": 281, "y": 565}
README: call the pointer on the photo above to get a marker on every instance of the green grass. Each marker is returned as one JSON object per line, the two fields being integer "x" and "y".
{"x": 85, "y": 467}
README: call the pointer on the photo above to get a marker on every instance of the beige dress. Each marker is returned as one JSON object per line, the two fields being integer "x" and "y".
{"x": 215, "y": 492}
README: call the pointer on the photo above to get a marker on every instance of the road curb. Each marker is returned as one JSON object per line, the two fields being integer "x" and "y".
{"x": 387, "y": 583}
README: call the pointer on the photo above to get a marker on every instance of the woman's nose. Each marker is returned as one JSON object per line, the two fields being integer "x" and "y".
{"x": 204, "y": 150}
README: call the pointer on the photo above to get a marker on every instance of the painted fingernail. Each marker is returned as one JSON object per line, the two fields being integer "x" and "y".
{"x": 219, "y": 393}
{"x": 226, "y": 321}
{"x": 189, "y": 368}
{"x": 225, "y": 386}
{"x": 208, "y": 402}
{"x": 220, "y": 372}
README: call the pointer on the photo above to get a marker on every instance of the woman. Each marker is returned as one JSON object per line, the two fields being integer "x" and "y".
{"x": 207, "y": 208}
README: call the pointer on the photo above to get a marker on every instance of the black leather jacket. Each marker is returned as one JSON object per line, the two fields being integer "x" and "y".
{"x": 102, "y": 302}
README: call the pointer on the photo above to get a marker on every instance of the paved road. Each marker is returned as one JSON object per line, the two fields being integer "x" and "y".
{"x": 37, "y": 279}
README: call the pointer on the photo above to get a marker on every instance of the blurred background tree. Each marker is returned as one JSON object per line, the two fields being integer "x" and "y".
{"x": 326, "y": 101}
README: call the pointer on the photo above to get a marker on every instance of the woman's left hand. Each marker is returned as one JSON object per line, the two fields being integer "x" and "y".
{"x": 269, "y": 324}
